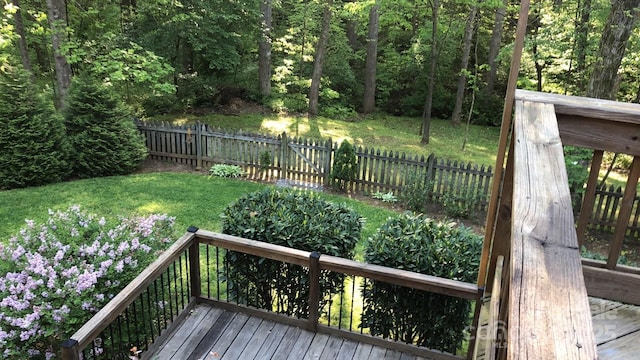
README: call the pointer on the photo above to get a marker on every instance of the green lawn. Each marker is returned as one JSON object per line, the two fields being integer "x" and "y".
{"x": 192, "y": 198}
{"x": 380, "y": 131}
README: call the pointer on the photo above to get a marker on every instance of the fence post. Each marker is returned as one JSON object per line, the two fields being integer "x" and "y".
{"x": 314, "y": 291}
{"x": 70, "y": 350}
{"x": 194, "y": 264}
{"x": 198, "y": 146}
{"x": 284, "y": 151}
{"x": 327, "y": 162}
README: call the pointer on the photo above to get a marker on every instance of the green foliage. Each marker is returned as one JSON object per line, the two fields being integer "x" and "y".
{"x": 137, "y": 75}
{"x": 101, "y": 131}
{"x": 344, "y": 168}
{"x": 385, "y": 197}
{"x": 224, "y": 170}
{"x": 33, "y": 147}
{"x": 622, "y": 260}
{"x": 419, "y": 244}
{"x": 577, "y": 162}
{"x": 416, "y": 190}
{"x": 460, "y": 203}
{"x": 55, "y": 275}
{"x": 300, "y": 220}
{"x": 265, "y": 160}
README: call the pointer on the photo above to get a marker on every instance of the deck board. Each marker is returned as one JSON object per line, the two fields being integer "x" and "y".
{"x": 213, "y": 334}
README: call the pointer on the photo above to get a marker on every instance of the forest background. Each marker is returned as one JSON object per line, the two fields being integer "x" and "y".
{"x": 447, "y": 59}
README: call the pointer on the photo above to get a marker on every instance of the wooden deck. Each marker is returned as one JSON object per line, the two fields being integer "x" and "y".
{"x": 211, "y": 333}
{"x": 616, "y": 328}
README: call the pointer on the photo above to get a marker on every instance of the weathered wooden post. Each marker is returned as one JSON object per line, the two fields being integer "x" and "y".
{"x": 70, "y": 350}
{"x": 314, "y": 291}
{"x": 284, "y": 158}
{"x": 194, "y": 264}
{"x": 327, "y": 162}
{"x": 198, "y": 146}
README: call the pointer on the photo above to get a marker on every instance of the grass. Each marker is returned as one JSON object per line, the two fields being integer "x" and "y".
{"x": 192, "y": 198}
{"x": 379, "y": 131}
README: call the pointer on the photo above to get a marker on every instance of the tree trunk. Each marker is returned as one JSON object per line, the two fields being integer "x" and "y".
{"x": 352, "y": 33}
{"x": 57, "y": 17}
{"x": 613, "y": 43}
{"x": 22, "y": 40}
{"x": 582, "y": 33}
{"x": 264, "y": 49}
{"x": 369, "y": 104}
{"x": 428, "y": 103}
{"x": 494, "y": 47}
{"x": 321, "y": 48}
{"x": 464, "y": 63}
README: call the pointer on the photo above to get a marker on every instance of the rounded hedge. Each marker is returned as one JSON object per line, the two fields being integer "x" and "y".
{"x": 33, "y": 146}
{"x": 419, "y": 244}
{"x": 296, "y": 219}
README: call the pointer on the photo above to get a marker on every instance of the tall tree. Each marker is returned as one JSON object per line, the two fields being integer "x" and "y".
{"x": 494, "y": 47}
{"x": 369, "y": 103}
{"x": 318, "y": 61}
{"x": 613, "y": 42}
{"x": 22, "y": 37}
{"x": 428, "y": 103}
{"x": 464, "y": 62}
{"x": 57, "y": 17}
{"x": 581, "y": 35}
{"x": 264, "y": 49}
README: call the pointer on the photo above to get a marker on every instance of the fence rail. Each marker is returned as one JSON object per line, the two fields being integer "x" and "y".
{"x": 308, "y": 162}
{"x": 305, "y": 161}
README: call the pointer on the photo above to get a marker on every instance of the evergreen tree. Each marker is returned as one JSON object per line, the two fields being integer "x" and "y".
{"x": 33, "y": 147}
{"x": 101, "y": 131}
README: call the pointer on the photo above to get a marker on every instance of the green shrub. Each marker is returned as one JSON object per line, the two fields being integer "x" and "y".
{"x": 299, "y": 220}
{"x": 224, "y": 170}
{"x": 265, "y": 160}
{"x": 57, "y": 274}
{"x": 416, "y": 190}
{"x": 577, "y": 162}
{"x": 461, "y": 204}
{"x": 33, "y": 147}
{"x": 419, "y": 244}
{"x": 344, "y": 167}
{"x": 101, "y": 131}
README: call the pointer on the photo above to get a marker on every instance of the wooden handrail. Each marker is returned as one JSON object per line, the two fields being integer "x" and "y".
{"x": 253, "y": 247}
{"x": 345, "y": 266}
{"x": 549, "y": 316}
{"x": 410, "y": 279}
{"x": 92, "y": 328}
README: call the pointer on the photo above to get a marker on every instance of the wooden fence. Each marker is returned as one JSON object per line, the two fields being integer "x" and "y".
{"x": 605, "y": 211}
{"x": 308, "y": 162}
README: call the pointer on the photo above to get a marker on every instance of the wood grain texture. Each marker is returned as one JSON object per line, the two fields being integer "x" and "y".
{"x": 612, "y": 284}
{"x": 549, "y": 315}
{"x": 588, "y": 107}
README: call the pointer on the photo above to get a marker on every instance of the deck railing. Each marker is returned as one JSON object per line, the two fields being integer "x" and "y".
{"x": 542, "y": 306}
{"x": 193, "y": 270}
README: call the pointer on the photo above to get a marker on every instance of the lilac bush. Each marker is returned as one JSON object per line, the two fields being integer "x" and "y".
{"x": 54, "y": 276}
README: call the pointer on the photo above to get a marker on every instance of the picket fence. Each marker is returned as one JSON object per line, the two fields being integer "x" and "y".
{"x": 307, "y": 163}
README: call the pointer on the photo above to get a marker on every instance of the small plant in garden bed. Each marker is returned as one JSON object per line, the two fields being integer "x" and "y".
{"x": 54, "y": 276}
{"x": 224, "y": 170}
{"x": 385, "y": 197}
